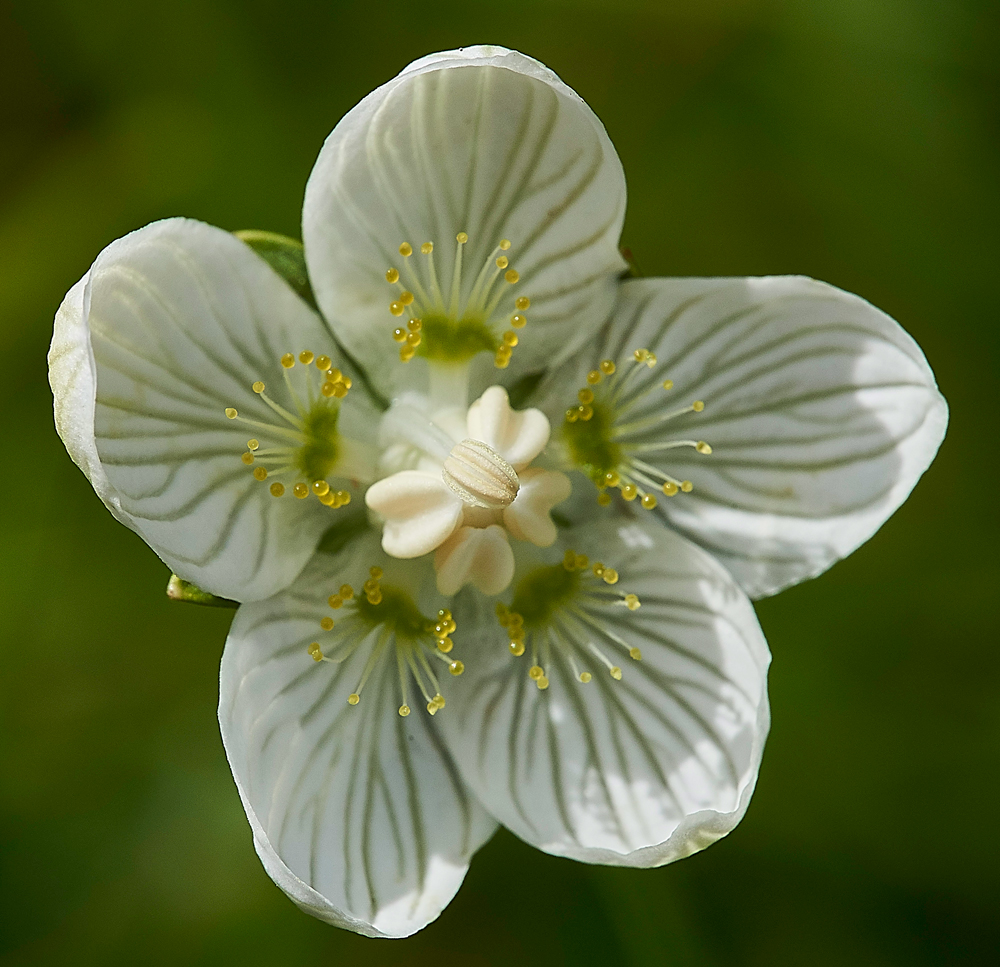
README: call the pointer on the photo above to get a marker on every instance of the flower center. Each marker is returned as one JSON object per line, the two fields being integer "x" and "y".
{"x": 456, "y": 328}
{"x": 618, "y": 445}
{"x": 379, "y": 615}
{"x": 301, "y": 441}
{"x": 480, "y": 476}
{"x": 560, "y": 607}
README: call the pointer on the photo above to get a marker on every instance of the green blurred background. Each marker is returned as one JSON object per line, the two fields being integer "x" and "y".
{"x": 856, "y": 141}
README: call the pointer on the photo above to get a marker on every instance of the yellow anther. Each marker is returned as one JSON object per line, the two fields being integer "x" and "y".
{"x": 502, "y": 261}
{"x": 505, "y": 244}
{"x": 277, "y": 489}
{"x": 258, "y": 387}
{"x": 598, "y": 568}
{"x": 630, "y": 492}
{"x": 427, "y": 248}
{"x": 607, "y": 367}
{"x": 445, "y": 645}
{"x": 698, "y": 406}
{"x": 585, "y": 677}
{"x": 346, "y": 592}
{"x": 399, "y": 334}
{"x": 344, "y": 496}
{"x": 501, "y": 361}
{"x": 231, "y": 413}
{"x": 320, "y": 487}
{"x": 635, "y": 654}
{"x": 612, "y": 479}
{"x": 247, "y": 458}
{"x": 396, "y": 308}
{"x": 542, "y": 683}
{"x": 594, "y": 377}
{"x": 288, "y": 360}
{"x": 326, "y": 623}
{"x": 703, "y": 447}
{"x": 517, "y": 648}
{"x": 536, "y": 672}
{"x": 315, "y": 652}
{"x": 413, "y": 339}
{"x": 253, "y": 444}
{"x": 616, "y": 673}
{"x": 572, "y": 415}
{"x": 687, "y": 486}
{"x": 585, "y": 396}
{"x": 510, "y": 338}
{"x": 438, "y": 700}
{"x": 376, "y": 572}
{"x": 586, "y": 412}
{"x": 518, "y": 321}
{"x": 353, "y": 698}
{"x": 335, "y": 601}
{"x": 461, "y": 238}
{"x": 512, "y": 276}
{"x": 259, "y": 473}
{"x": 370, "y": 585}
{"x": 300, "y": 490}
{"x": 522, "y": 302}
{"x": 414, "y": 325}
{"x": 610, "y": 576}
{"x": 392, "y": 275}
{"x": 336, "y": 376}
{"x": 640, "y": 355}
{"x": 329, "y": 389}
{"x": 406, "y": 298}
{"x": 456, "y": 668}
{"x": 603, "y": 499}
{"x": 406, "y": 250}
{"x": 632, "y": 602}
{"x": 323, "y": 363}
{"x": 668, "y": 384}
{"x": 670, "y": 488}
{"x": 404, "y": 710}
{"x": 407, "y": 353}
{"x": 374, "y": 597}
{"x": 329, "y": 500}
{"x": 306, "y": 357}
{"x": 515, "y": 620}
{"x": 648, "y": 501}
{"x": 340, "y": 390}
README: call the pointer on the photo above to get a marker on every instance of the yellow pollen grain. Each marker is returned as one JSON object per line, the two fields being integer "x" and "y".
{"x": 522, "y": 302}
{"x": 413, "y": 339}
{"x": 698, "y": 406}
{"x": 542, "y": 683}
{"x": 320, "y": 487}
{"x": 404, "y": 710}
{"x": 335, "y": 601}
{"x": 610, "y": 576}
{"x": 346, "y": 592}
{"x": 247, "y": 458}
{"x": 335, "y": 376}
{"x": 630, "y": 492}
{"x": 461, "y": 238}
{"x": 340, "y": 390}
{"x": 510, "y": 338}
{"x": 517, "y": 648}
{"x": 687, "y": 486}
{"x": 585, "y": 677}
{"x": 635, "y": 654}
{"x": 604, "y": 499}
{"x": 612, "y": 479}
{"x": 315, "y": 652}
{"x": 392, "y": 276}
{"x": 585, "y": 396}
{"x": 323, "y": 363}
{"x": 306, "y": 357}
{"x": 231, "y": 413}
{"x": 253, "y": 444}
{"x": 399, "y": 334}
{"x": 536, "y": 672}
{"x": 586, "y": 412}
{"x": 258, "y": 387}
{"x": 407, "y": 353}
{"x": 668, "y": 384}
{"x": 353, "y": 698}
{"x": 512, "y": 276}
{"x": 632, "y": 602}
{"x": 406, "y": 298}
{"x": 648, "y": 501}
{"x": 607, "y": 367}
{"x": 572, "y": 415}
{"x": 594, "y": 377}
{"x": 505, "y": 244}
{"x": 518, "y": 321}
{"x": 288, "y": 360}
{"x": 260, "y": 473}
{"x": 414, "y": 325}
{"x": 329, "y": 500}
{"x": 396, "y": 308}
{"x": 456, "y": 668}
{"x": 670, "y": 488}
{"x": 616, "y": 673}
{"x": 326, "y": 623}
{"x": 328, "y": 389}
{"x": 277, "y": 489}
{"x": 406, "y": 250}
{"x": 376, "y": 572}
{"x": 502, "y": 262}
{"x": 300, "y": 490}
{"x": 445, "y": 645}
{"x": 427, "y": 248}
{"x": 703, "y": 447}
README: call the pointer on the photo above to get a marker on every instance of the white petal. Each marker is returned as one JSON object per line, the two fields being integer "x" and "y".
{"x": 528, "y": 518}
{"x": 821, "y": 411}
{"x": 359, "y": 815}
{"x": 420, "y": 512}
{"x": 481, "y": 140}
{"x": 480, "y": 556}
{"x": 636, "y": 772}
{"x": 175, "y": 322}
{"x": 517, "y": 435}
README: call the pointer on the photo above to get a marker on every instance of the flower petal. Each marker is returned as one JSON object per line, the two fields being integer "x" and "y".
{"x": 517, "y": 435}
{"x": 420, "y": 512}
{"x": 169, "y": 327}
{"x": 480, "y": 556}
{"x": 821, "y": 413}
{"x": 484, "y": 141}
{"x": 528, "y": 518}
{"x": 636, "y": 772}
{"x": 358, "y": 814}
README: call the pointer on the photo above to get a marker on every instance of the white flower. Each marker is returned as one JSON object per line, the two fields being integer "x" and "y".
{"x": 739, "y": 435}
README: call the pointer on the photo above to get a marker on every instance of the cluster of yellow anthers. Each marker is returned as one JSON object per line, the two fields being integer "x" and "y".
{"x": 635, "y": 482}
{"x": 476, "y": 311}
{"x": 409, "y": 652}
{"x": 296, "y": 429}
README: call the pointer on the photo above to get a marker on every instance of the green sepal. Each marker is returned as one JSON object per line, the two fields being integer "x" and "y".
{"x": 285, "y": 255}
{"x": 180, "y": 590}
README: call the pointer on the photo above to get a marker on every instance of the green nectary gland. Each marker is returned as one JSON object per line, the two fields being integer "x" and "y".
{"x": 455, "y": 340}
{"x": 541, "y": 592}
{"x": 396, "y": 611}
{"x": 318, "y": 455}
{"x": 590, "y": 443}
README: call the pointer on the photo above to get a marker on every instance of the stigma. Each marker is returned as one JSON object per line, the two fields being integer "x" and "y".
{"x": 384, "y": 619}
{"x": 300, "y": 447}
{"x": 563, "y": 612}
{"x": 469, "y": 319}
{"x": 617, "y": 432}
